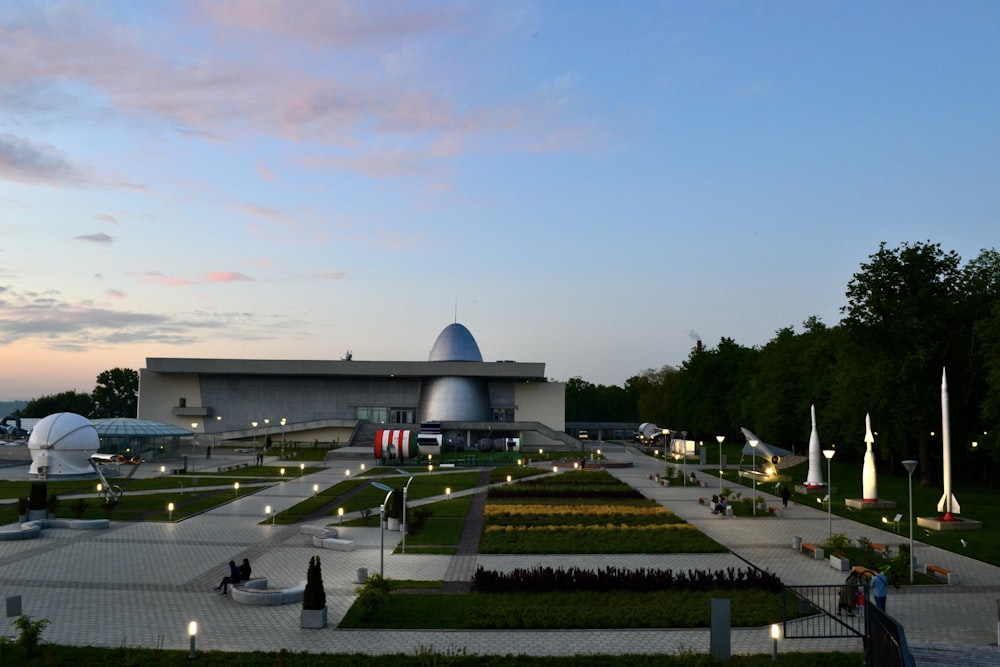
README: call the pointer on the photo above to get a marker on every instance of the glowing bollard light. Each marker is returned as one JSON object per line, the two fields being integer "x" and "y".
{"x": 430, "y": 467}
{"x": 100, "y": 488}
{"x": 192, "y": 632}
{"x": 236, "y": 489}
{"x": 170, "y": 511}
{"x": 362, "y": 466}
{"x": 315, "y": 489}
{"x": 163, "y": 469}
{"x": 340, "y": 515}
{"x": 775, "y": 636}
{"x": 347, "y": 473}
{"x": 282, "y": 471}
{"x": 302, "y": 469}
{"x": 447, "y": 492}
{"x": 267, "y": 513}
{"x": 508, "y": 479}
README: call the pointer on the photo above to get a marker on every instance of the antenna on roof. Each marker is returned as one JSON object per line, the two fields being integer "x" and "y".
{"x": 456, "y": 310}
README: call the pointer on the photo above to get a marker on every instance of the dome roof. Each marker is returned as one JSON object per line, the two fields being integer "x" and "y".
{"x": 64, "y": 431}
{"x": 455, "y": 343}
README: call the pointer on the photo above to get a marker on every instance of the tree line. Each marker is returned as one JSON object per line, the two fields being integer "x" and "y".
{"x": 115, "y": 394}
{"x": 911, "y": 312}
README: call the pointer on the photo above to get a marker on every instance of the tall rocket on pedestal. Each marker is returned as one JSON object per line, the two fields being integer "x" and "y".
{"x": 948, "y": 503}
{"x": 815, "y": 477}
{"x": 869, "y": 488}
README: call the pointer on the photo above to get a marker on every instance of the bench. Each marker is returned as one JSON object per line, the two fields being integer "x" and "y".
{"x": 314, "y": 530}
{"x": 234, "y": 466}
{"x": 776, "y": 511}
{"x": 947, "y": 575}
{"x": 255, "y": 593}
{"x": 703, "y": 501}
{"x": 815, "y": 550}
{"x": 881, "y": 548}
{"x": 332, "y": 543}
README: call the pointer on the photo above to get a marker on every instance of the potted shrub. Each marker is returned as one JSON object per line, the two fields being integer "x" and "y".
{"x": 38, "y": 501}
{"x": 313, "y": 613}
{"x": 394, "y": 510}
{"x": 835, "y": 545}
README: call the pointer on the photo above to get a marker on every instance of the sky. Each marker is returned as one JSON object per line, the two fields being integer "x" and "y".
{"x": 590, "y": 184}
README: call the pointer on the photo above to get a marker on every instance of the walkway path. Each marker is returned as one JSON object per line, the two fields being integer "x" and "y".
{"x": 146, "y": 581}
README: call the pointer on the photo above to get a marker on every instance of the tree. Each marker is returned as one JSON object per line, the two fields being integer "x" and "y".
{"x": 117, "y": 393}
{"x": 901, "y": 313}
{"x": 67, "y": 401}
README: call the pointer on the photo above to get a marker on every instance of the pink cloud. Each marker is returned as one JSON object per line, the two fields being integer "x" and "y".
{"x": 161, "y": 279}
{"x": 110, "y": 219}
{"x": 115, "y": 294}
{"x": 226, "y": 277}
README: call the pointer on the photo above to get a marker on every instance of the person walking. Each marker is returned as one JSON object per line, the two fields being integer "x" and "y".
{"x": 785, "y": 495}
{"x": 880, "y": 587}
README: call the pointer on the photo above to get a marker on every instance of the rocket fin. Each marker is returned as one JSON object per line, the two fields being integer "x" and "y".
{"x": 955, "y": 508}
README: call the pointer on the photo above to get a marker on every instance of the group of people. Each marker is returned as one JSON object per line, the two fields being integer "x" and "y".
{"x": 852, "y": 593}
{"x": 721, "y": 506}
{"x": 237, "y": 573}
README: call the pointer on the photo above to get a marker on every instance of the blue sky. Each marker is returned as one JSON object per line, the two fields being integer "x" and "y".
{"x": 593, "y": 185}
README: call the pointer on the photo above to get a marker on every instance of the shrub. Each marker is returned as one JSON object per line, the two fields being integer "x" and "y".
{"x": 394, "y": 510}
{"x": 836, "y": 544}
{"x": 22, "y": 506}
{"x": 31, "y": 633}
{"x": 78, "y": 507}
{"x": 38, "y": 500}
{"x": 314, "y": 596}
{"x": 52, "y": 505}
{"x": 547, "y": 579}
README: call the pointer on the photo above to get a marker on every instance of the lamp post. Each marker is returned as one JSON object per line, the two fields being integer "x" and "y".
{"x": 381, "y": 525}
{"x": 406, "y": 488}
{"x": 283, "y": 422}
{"x": 194, "y": 437}
{"x": 910, "y": 466}
{"x": 720, "y": 438}
{"x": 254, "y": 425}
{"x": 753, "y": 448}
{"x": 666, "y": 432}
{"x": 828, "y": 453}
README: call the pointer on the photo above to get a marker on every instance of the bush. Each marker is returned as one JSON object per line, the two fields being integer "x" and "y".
{"x": 38, "y": 500}
{"x": 78, "y": 507}
{"x": 314, "y": 596}
{"x": 52, "y": 505}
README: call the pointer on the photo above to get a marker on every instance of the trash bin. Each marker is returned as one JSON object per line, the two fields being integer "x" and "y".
{"x": 797, "y": 543}
{"x": 362, "y": 575}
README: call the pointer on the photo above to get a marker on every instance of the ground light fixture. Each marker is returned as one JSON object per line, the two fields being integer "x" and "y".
{"x": 775, "y": 636}
{"x": 720, "y": 438}
{"x": 192, "y": 633}
{"x": 267, "y": 513}
{"x": 236, "y": 488}
{"x": 170, "y": 511}
{"x": 828, "y": 453}
{"x": 315, "y": 489}
{"x": 302, "y": 469}
{"x": 340, "y": 515}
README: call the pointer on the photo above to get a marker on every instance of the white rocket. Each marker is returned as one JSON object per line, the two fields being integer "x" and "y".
{"x": 815, "y": 476}
{"x": 948, "y": 503}
{"x": 869, "y": 488}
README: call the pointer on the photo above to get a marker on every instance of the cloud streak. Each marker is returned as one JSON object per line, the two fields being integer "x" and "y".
{"x": 34, "y": 163}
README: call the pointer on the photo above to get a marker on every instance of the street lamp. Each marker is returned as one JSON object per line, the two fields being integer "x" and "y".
{"x": 254, "y": 425}
{"x": 406, "y": 488}
{"x": 910, "y": 466}
{"x": 753, "y": 448}
{"x": 283, "y": 422}
{"x": 666, "y": 432}
{"x": 828, "y": 453}
{"x": 720, "y": 438}
{"x": 381, "y": 524}
{"x": 194, "y": 437}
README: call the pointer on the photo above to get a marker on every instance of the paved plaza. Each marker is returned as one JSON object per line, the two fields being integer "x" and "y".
{"x": 140, "y": 584}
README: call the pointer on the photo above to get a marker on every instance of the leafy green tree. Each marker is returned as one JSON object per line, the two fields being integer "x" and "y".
{"x": 711, "y": 386}
{"x": 901, "y": 309}
{"x": 67, "y": 401}
{"x": 117, "y": 393}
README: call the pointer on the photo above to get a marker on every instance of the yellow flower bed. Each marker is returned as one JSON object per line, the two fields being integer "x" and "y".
{"x": 673, "y": 527}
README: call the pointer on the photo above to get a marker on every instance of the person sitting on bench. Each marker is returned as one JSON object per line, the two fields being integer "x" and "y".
{"x": 721, "y": 506}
